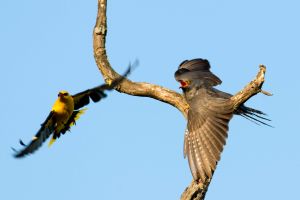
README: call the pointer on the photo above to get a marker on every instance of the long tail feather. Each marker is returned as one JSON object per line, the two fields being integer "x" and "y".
{"x": 256, "y": 116}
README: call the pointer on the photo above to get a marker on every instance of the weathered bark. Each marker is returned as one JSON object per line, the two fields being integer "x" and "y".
{"x": 196, "y": 190}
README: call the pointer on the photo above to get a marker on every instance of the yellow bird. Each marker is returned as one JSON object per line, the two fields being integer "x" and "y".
{"x": 64, "y": 113}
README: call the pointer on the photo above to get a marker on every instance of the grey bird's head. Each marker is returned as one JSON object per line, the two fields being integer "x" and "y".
{"x": 196, "y": 73}
{"x": 193, "y": 75}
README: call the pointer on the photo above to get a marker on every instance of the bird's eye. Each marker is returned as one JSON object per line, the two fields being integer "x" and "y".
{"x": 181, "y": 71}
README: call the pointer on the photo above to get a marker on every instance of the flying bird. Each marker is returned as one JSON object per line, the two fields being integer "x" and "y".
{"x": 64, "y": 113}
{"x": 210, "y": 111}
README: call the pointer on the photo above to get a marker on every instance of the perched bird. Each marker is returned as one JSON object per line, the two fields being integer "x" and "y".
{"x": 65, "y": 112}
{"x": 210, "y": 111}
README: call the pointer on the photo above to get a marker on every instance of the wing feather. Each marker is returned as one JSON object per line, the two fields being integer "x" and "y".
{"x": 214, "y": 140}
{"x": 43, "y": 133}
{"x": 205, "y": 154}
{"x": 198, "y": 158}
{"x": 191, "y": 156}
{"x": 97, "y": 93}
{"x": 213, "y": 150}
{"x": 207, "y": 134}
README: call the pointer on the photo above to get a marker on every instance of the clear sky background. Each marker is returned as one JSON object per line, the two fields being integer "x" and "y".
{"x": 132, "y": 147}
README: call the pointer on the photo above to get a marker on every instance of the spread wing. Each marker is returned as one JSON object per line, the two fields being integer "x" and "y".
{"x": 206, "y": 136}
{"x": 44, "y": 132}
{"x": 83, "y": 98}
{"x": 97, "y": 93}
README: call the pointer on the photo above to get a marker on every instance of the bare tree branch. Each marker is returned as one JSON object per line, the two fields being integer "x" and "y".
{"x": 127, "y": 86}
{"x": 251, "y": 89}
{"x": 196, "y": 190}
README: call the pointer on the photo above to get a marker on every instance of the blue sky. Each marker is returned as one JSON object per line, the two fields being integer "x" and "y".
{"x": 127, "y": 147}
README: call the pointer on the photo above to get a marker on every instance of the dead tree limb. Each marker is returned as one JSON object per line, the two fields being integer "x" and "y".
{"x": 127, "y": 86}
{"x": 196, "y": 190}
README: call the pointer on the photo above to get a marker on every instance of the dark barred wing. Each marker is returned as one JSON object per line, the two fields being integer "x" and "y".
{"x": 207, "y": 132}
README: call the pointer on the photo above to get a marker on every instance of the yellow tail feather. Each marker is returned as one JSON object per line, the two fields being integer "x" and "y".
{"x": 80, "y": 112}
{"x": 51, "y": 142}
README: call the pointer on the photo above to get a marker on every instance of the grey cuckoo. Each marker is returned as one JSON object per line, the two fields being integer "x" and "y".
{"x": 210, "y": 111}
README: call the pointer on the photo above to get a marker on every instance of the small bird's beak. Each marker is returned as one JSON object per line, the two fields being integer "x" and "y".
{"x": 59, "y": 94}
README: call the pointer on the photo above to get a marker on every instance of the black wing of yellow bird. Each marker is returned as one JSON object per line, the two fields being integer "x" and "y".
{"x": 65, "y": 112}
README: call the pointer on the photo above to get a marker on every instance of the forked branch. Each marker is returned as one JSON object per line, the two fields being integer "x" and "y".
{"x": 195, "y": 191}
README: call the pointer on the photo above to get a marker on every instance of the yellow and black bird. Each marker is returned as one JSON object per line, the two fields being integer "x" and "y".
{"x": 65, "y": 112}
